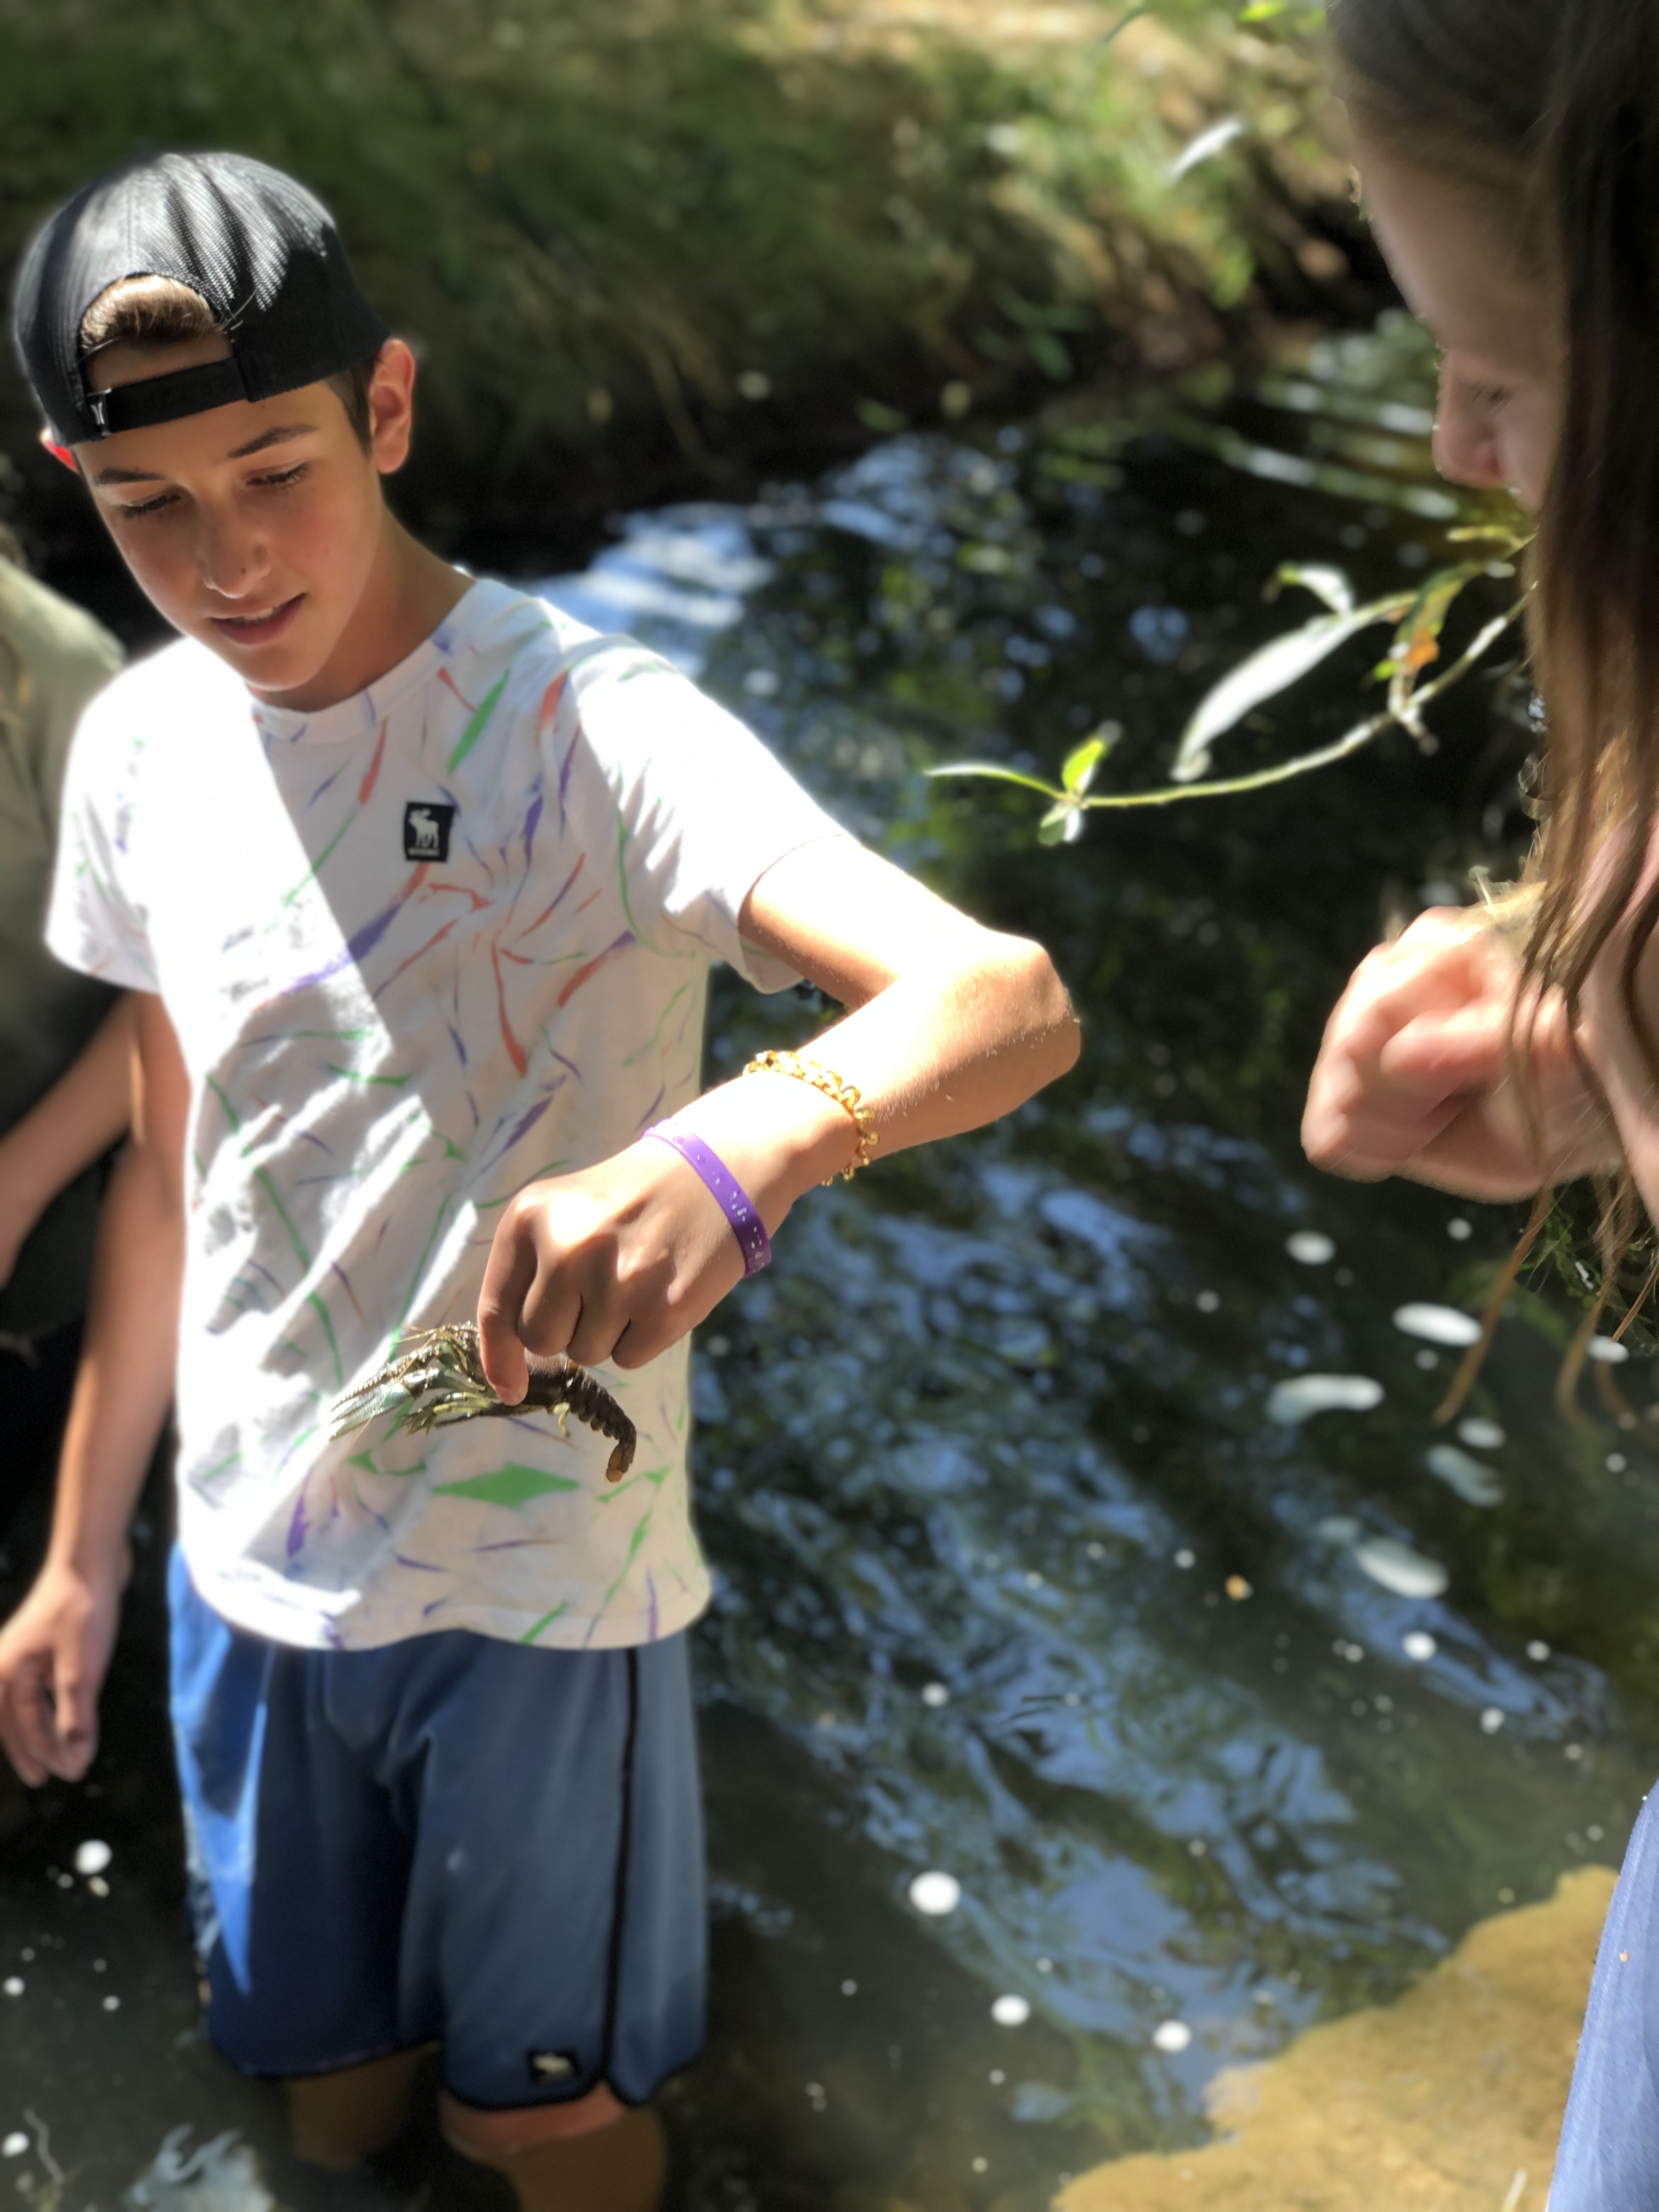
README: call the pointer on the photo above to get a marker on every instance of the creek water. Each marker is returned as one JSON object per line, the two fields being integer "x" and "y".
{"x": 1207, "y": 1715}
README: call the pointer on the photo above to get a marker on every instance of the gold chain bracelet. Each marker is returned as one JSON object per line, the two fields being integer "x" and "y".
{"x": 846, "y": 1096}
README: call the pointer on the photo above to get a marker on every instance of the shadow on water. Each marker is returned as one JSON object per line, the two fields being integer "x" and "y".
{"x": 1204, "y": 1724}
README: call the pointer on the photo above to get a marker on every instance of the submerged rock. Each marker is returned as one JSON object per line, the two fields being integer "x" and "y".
{"x": 1449, "y": 2100}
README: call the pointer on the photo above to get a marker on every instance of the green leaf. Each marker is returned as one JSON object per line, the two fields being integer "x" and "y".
{"x": 1077, "y": 772}
{"x": 1050, "y": 355}
{"x": 1056, "y": 827}
{"x": 1272, "y": 669}
{"x": 506, "y": 1485}
{"x": 1417, "y": 641}
{"x": 1002, "y": 775}
{"x": 875, "y": 415}
{"x": 1326, "y": 583}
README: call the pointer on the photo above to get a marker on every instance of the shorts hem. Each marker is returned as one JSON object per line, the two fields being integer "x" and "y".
{"x": 314, "y": 2070}
{"x": 574, "y": 2097}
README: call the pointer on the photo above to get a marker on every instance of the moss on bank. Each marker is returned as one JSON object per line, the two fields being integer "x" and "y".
{"x": 646, "y": 244}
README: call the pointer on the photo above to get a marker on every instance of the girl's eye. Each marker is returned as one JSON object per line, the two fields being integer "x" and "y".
{"x": 281, "y": 480}
{"x": 149, "y": 506}
{"x": 1489, "y": 396}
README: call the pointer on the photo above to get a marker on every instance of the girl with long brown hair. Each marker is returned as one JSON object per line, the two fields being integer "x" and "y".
{"x": 1509, "y": 151}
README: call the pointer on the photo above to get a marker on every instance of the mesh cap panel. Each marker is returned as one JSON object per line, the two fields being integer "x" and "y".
{"x": 262, "y": 251}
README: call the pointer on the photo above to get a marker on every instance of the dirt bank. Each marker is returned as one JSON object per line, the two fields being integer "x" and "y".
{"x": 1449, "y": 2100}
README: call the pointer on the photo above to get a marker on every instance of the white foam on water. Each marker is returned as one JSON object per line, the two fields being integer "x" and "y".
{"x": 1418, "y": 1646}
{"x": 1300, "y": 1396}
{"x": 1171, "y": 2035}
{"x": 93, "y": 1858}
{"x": 1481, "y": 1434}
{"x": 1471, "y": 1478}
{"x": 221, "y": 2175}
{"x": 935, "y": 1892}
{"x": 1311, "y": 1247}
{"x": 1011, "y": 2011}
{"x": 1438, "y": 1324}
{"x": 1399, "y": 1569}
{"x": 1492, "y": 1720}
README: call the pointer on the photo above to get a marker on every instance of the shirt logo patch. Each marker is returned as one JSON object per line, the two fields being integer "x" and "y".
{"x": 426, "y": 830}
{"x": 549, "y": 2066}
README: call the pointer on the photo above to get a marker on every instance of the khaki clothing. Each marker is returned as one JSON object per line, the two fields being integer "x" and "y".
{"x": 52, "y": 659}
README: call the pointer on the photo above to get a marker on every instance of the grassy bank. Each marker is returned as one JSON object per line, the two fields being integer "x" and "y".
{"x": 651, "y": 244}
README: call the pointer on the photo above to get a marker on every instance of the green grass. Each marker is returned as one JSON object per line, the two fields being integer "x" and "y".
{"x": 632, "y": 239}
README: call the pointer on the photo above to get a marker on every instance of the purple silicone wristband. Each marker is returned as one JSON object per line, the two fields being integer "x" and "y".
{"x": 735, "y": 1202}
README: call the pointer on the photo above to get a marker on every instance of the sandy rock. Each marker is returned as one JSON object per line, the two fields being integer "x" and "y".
{"x": 1438, "y": 2101}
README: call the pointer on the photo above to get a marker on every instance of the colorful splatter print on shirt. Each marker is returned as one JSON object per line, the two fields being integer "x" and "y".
{"x": 419, "y": 949}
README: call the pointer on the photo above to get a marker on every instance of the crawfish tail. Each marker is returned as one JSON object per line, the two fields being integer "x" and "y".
{"x": 558, "y": 1382}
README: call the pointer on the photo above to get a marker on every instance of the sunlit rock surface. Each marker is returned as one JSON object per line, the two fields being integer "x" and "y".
{"x": 1442, "y": 2099}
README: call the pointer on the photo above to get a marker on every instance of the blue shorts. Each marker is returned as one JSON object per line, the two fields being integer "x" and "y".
{"x": 1609, "y": 2160}
{"x": 449, "y": 1839}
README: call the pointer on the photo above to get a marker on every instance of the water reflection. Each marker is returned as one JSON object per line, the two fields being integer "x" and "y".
{"x": 1112, "y": 1670}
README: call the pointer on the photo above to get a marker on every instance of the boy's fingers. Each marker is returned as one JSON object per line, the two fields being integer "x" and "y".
{"x": 507, "y": 1282}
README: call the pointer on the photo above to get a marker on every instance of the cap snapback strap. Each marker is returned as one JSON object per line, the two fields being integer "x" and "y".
{"x": 166, "y": 398}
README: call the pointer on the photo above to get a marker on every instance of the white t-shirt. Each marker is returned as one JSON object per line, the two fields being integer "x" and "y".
{"x": 419, "y": 949}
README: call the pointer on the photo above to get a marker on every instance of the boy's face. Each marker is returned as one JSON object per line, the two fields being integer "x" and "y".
{"x": 255, "y": 528}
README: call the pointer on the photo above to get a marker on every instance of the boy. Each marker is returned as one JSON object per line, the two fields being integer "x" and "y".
{"x": 419, "y": 884}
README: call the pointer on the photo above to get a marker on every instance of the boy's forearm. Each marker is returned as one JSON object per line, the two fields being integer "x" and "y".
{"x": 124, "y": 1383}
{"x": 83, "y": 1114}
{"x": 942, "y": 1049}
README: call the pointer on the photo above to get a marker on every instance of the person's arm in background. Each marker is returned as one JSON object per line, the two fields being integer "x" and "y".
{"x": 55, "y": 1649}
{"x": 953, "y": 1025}
{"x": 75, "y": 1123}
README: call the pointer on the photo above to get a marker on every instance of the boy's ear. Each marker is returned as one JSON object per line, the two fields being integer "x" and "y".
{"x": 59, "y": 452}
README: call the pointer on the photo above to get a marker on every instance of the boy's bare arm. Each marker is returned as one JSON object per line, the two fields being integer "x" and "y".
{"x": 76, "y": 1122}
{"x": 953, "y": 1024}
{"x": 56, "y": 1648}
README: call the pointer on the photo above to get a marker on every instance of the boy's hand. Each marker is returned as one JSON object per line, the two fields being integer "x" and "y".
{"x": 615, "y": 1263}
{"x": 54, "y": 1653}
{"x": 1412, "y": 1076}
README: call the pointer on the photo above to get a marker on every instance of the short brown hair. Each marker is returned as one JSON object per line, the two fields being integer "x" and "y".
{"x": 158, "y": 310}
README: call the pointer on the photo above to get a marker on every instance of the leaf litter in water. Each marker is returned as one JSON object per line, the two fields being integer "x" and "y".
{"x": 1471, "y": 1478}
{"x": 1438, "y": 1324}
{"x": 1300, "y": 1396}
{"x": 1399, "y": 1569}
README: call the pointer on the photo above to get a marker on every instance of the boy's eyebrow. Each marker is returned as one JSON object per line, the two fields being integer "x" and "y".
{"x": 280, "y": 437}
{"x": 284, "y": 435}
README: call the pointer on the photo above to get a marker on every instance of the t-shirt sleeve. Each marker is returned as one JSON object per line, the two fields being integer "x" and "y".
{"x": 95, "y": 920}
{"x": 703, "y": 808}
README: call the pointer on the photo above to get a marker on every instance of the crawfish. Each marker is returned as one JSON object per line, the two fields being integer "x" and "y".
{"x": 439, "y": 1378}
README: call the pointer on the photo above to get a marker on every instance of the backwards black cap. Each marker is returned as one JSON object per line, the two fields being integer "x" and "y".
{"x": 259, "y": 248}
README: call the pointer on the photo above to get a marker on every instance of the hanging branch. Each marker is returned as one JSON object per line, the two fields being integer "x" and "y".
{"x": 1419, "y": 616}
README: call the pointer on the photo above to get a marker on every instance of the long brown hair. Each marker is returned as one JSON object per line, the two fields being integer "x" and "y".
{"x": 1555, "y": 104}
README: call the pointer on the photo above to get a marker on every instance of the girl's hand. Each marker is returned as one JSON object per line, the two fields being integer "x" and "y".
{"x": 1413, "y": 1079}
{"x": 615, "y": 1263}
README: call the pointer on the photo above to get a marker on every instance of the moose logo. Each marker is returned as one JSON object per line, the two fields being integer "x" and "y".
{"x": 426, "y": 830}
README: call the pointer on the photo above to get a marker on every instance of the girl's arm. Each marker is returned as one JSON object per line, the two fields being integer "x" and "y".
{"x": 952, "y": 1026}
{"x": 75, "y": 1123}
{"x": 1413, "y": 1075}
